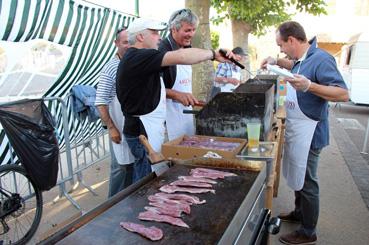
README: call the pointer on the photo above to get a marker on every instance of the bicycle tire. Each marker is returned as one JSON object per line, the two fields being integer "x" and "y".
{"x": 13, "y": 236}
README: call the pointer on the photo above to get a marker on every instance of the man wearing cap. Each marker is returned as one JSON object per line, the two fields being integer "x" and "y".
{"x": 141, "y": 90}
{"x": 178, "y": 78}
{"x": 228, "y": 76}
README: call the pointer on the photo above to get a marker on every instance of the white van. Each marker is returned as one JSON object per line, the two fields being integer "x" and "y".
{"x": 354, "y": 66}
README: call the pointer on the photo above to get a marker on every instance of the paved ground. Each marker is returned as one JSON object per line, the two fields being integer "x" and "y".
{"x": 343, "y": 173}
{"x": 349, "y": 124}
{"x": 57, "y": 214}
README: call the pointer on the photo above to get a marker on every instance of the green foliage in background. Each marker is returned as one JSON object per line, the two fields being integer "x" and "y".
{"x": 260, "y": 14}
{"x": 214, "y": 36}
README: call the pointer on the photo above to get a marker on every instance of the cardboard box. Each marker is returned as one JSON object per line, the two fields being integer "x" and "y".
{"x": 172, "y": 149}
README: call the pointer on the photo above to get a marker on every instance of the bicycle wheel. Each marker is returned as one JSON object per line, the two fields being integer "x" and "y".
{"x": 20, "y": 205}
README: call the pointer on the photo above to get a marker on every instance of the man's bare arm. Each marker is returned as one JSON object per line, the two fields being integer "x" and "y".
{"x": 105, "y": 117}
{"x": 191, "y": 56}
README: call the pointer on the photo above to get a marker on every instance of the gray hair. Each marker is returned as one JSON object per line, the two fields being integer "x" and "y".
{"x": 132, "y": 36}
{"x": 182, "y": 15}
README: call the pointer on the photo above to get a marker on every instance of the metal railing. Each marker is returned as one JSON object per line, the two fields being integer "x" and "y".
{"x": 81, "y": 145}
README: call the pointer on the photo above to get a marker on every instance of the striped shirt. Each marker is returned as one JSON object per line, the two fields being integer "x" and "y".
{"x": 225, "y": 70}
{"x": 106, "y": 88}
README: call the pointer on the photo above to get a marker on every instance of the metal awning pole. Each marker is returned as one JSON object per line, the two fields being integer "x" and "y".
{"x": 366, "y": 139}
{"x": 137, "y": 7}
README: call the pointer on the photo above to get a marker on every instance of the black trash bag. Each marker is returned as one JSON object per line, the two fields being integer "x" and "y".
{"x": 29, "y": 127}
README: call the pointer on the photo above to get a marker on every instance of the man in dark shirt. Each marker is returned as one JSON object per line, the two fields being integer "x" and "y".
{"x": 141, "y": 90}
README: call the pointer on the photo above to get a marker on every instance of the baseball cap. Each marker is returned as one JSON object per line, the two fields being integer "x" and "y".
{"x": 140, "y": 24}
{"x": 239, "y": 51}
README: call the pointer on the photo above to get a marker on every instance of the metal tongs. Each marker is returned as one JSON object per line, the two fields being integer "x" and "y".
{"x": 224, "y": 54}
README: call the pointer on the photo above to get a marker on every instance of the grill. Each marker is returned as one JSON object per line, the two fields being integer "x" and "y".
{"x": 227, "y": 114}
{"x": 264, "y": 79}
{"x": 234, "y": 215}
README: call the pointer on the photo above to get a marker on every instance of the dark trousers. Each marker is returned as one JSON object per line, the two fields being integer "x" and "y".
{"x": 307, "y": 199}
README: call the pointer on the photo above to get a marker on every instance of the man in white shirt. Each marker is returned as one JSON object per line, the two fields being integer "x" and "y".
{"x": 111, "y": 114}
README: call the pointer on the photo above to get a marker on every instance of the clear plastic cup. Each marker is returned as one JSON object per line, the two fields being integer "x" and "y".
{"x": 253, "y": 135}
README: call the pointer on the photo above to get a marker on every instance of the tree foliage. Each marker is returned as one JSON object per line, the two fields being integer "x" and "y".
{"x": 260, "y": 14}
{"x": 214, "y": 37}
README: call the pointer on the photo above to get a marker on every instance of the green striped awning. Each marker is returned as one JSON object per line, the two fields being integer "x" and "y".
{"x": 89, "y": 30}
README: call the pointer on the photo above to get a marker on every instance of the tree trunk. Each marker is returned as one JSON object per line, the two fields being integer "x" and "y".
{"x": 240, "y": 33}
{"x": 203, "y": 73}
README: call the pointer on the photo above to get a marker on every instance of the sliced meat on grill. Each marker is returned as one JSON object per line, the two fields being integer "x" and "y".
{"x": 152, "y": 216}
{"x": 153, "y": 233}
{"x": 195, "y": 179}
{"x": 212, "y": 171}
{"x": 207, "y": 175}
{"x": 191, "y": 184}
{"x": 164, "y": 210}
{"x": 179, "y": 207}
{"x": 188, "y": 198}
{"x": 174, "y": 188}
{"x": 179, "y": 204}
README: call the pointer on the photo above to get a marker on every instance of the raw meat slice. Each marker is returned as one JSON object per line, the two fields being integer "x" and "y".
{"x": 179, "y": 207}
{"x": 206, "y": 175}
{"x": 191, "y": 184}
{"x": 153, "y": 233}
{"x": 179, "y": 204}
{"x": 210, "y": 173}
{"x": 152, "y": 216}
{"x": 202, "y": 180}
{"x": 208, "y": 170}
{"x": 174, "y": 188}
{"x": 166, "y": 211}
{"x": 184, "y": 197}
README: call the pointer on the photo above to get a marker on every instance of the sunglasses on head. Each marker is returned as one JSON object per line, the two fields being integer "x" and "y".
{"x": 181, "y": 12}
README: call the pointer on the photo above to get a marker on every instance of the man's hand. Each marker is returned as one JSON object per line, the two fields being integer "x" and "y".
{"x": 105, "y": 117}
{"x": 114, "y": 135}
{"x": 185, "y": 99}
{"x": 299, "y": 82}
{"x": 219, "y": 57}
{"x": 269, "y": 60}
{"x": 233, "y": 81}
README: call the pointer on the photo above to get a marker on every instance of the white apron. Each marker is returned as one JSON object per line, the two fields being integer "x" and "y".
{"x": 299, "y": 134}
{"x": 229, "y": 87}
{"x": 177, "y": 122}
{"x": 154, "y": 122}
{"x": 121, "y": 151}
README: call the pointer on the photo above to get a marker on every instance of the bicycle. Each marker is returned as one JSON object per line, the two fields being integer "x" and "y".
{"x": 29, "y": 127}
{"x": 20, "y": 212}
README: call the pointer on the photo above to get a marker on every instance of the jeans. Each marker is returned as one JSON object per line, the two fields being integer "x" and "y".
{"x": 141, "y": 166}
{"x": 120, "y": 175}
{"x": 307, "y": 199}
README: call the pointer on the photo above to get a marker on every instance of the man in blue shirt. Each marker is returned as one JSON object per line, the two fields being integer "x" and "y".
{"x": 316, "y": 81}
